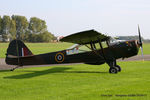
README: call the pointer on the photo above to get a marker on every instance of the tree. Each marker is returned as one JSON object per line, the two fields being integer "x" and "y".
{"x": 12, "y": 29}
{"x": 38, "y": 31}
{"x": 46, "y": 37}
{"x": 21, "y": 25}
{"x": 37, "y": 26}
{"x": 6, "y": 27}
{"x": 42, "y": 37}
{"x": 0, "y": 25}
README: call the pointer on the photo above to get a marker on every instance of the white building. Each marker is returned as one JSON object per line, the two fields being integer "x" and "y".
{"x": 59, "y": 37}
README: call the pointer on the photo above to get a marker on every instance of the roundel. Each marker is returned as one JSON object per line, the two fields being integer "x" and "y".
{"x": 59, "y": 57}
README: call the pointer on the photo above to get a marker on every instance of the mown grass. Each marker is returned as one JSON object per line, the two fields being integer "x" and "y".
{"x": 77, "y": 82}
{"x": 38, "y": 48}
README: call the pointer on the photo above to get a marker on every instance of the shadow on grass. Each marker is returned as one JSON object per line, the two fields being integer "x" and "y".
{"x": 37, "y": 73}
{"x": 49, "y": 71}
{"x": 4, "y": 70}
{"x": 83, "y": 72}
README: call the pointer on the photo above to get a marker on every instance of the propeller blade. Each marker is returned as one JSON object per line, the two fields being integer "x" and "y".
{"x": 140, "y": 39}
{"x": 140, "y": 42}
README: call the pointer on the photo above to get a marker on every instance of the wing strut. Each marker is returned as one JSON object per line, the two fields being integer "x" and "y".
{"x": 92, "y": 48}
{"x": 102, "y": 50}
{"x": 94, "y": 51}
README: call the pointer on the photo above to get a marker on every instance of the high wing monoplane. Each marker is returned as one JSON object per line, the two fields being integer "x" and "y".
{"x": 91, "y": 47}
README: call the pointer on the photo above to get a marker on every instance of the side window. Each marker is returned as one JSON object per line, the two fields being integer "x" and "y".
{"x": 84, "y": 48}
{"x": 77, "y": 49}
{"x": 104, "y": 44}
{"x": 72, "y": 51}
{"x": 97, "y": 46}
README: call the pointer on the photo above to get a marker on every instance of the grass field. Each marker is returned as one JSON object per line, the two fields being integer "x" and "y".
{"x": 77, "y": 82}
{"x": 38, "y": 48}
{"x": 74, "y": 82}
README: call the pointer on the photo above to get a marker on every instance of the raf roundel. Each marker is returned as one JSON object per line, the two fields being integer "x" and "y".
{"x": 59, "y": 57}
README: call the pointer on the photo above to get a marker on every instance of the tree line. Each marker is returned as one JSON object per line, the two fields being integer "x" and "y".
{"x": 133, "y": 38}
{"x": 15, "y": 26}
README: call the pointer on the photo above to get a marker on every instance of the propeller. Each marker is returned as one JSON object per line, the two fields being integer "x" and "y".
{"x": 140, "y": 42}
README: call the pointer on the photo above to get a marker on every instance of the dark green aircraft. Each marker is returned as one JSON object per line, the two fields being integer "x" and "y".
{"x": 91, "y": 47}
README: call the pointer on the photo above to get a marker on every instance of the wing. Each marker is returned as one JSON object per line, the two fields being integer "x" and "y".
{"x": 85, "y": 37}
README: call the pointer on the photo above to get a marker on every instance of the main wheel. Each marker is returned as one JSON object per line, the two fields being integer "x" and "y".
{"x": 12, "y": 69}
{"x": 113, "y": 70}
{"x": 118, "y": 68}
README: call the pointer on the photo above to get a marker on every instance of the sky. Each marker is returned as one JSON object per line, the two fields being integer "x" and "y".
{"x": 64, "y": 17}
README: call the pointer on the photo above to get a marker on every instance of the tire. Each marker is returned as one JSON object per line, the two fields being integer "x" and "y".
{"x": 118, "y": 68}
{"x": 113, "y": 70}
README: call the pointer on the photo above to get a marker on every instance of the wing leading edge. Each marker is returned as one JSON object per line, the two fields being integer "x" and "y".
{"x": 85, "y": 37}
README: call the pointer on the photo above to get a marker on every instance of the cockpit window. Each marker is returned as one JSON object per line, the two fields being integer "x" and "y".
{"x": 104, "y": 44}
{"x": 113, "y": 41}
{"x": 83, "y": 48}
{"x": 77, "y": 49}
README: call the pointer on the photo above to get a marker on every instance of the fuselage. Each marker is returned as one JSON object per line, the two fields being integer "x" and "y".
{"x": 118, "y": 50}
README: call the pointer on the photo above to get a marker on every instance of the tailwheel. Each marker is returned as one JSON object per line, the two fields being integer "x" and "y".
{"x": 118, "y": 68}
{"x": 113, "y": 70}
{"x": 15, "y": 68}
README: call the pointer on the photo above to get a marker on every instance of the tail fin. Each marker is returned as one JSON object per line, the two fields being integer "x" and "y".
{"x": 18, "y": 48}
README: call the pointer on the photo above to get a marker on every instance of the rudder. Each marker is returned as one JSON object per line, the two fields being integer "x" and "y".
{"x": 18, "y": 48}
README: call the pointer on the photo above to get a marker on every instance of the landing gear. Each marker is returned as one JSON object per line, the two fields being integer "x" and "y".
{"x": 15, "y": 68}
{"x": 118, "y": 68}
{"x": 114, "y": 68}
